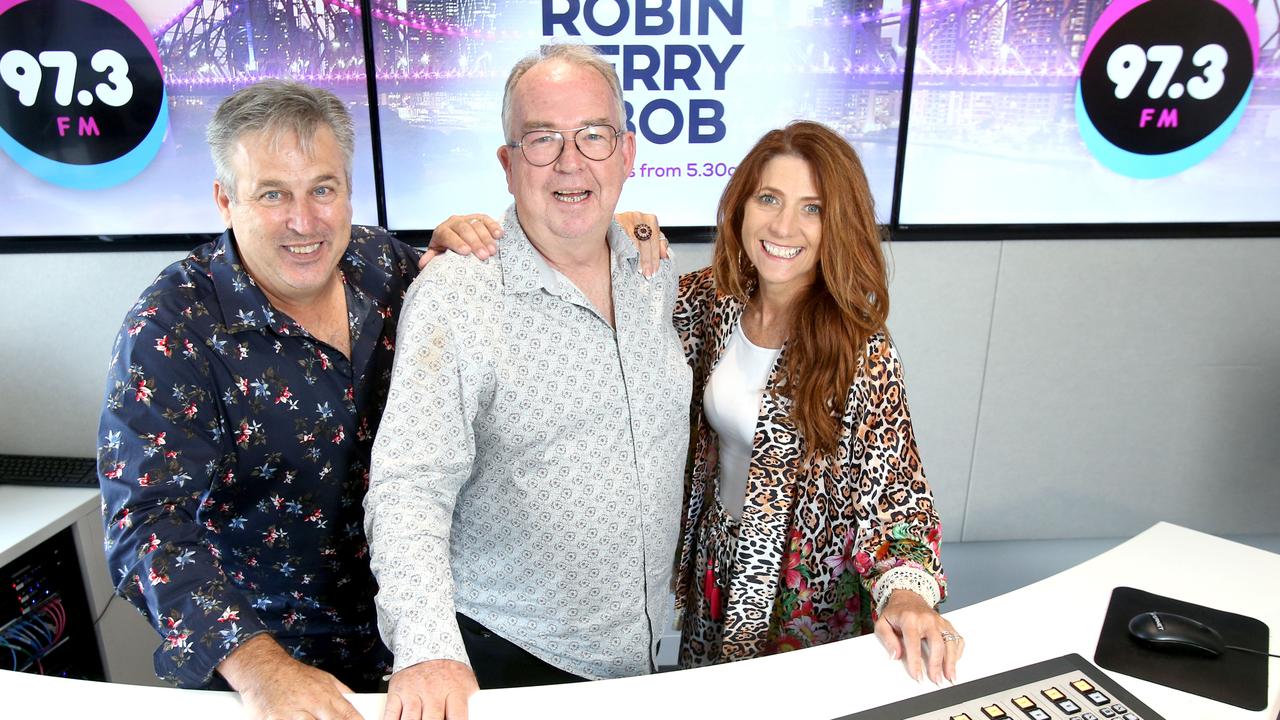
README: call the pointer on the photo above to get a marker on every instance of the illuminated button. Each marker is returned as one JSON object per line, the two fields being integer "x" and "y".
{"x": 961, "y": 716}
{"x": 1087, "y": 689}
{"x": 1030, "y": 709}
{"x": 995, "y": 712}
{"x": 1064, "y": 703}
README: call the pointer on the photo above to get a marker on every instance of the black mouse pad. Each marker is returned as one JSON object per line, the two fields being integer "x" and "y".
{"x": 1235, "y": 677}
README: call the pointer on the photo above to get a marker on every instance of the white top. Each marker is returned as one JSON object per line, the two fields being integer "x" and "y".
{"x": 731, "y": 402}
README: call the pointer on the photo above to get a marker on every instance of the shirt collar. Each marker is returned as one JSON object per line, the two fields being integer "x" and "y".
{"x": 524, "y": 269}
{"x": 243, "y": 304}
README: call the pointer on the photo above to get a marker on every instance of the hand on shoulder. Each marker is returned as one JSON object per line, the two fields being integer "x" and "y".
{"x": 646, "y": 233}
{"x": 464, "y": 234}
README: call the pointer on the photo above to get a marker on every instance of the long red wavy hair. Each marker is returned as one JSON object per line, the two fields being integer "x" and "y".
{"x": 848, "y": 301}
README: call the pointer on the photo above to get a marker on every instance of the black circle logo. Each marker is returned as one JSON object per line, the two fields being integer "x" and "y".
{"x": 1166, "y": 75}
{"x": 77, "y": 85}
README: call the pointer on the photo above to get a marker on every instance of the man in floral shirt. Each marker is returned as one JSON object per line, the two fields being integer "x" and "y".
{"x": 244, "y": 392}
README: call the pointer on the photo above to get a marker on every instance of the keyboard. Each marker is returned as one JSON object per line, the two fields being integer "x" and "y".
{"x": 1066, "y": 687}
{"x": 48, "y": 470}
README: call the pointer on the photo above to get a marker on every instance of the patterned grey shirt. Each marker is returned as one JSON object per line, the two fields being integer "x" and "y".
{"x": 529, "y": 465}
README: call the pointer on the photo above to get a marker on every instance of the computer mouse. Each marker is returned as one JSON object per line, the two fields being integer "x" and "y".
{"x": 1167, "y": 632}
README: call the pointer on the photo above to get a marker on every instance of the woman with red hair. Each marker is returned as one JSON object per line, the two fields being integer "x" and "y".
{"x": 807, "y": 515}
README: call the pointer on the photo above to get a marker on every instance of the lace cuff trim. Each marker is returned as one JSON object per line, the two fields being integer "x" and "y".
{"x": 905, "y": 578}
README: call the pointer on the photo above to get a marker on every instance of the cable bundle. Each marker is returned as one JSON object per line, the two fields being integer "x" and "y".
{"x": 30, "y": 638}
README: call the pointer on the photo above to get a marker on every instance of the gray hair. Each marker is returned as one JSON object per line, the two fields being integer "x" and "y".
{"x": 580, "y": 55}
{"x": 278, "y": 107}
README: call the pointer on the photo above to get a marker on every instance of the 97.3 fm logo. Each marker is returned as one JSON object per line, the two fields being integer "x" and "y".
{"x": 82, "y": 98}
{"x": 1164, "y": 82}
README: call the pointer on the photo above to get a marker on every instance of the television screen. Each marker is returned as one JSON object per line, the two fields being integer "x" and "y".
{"x": 103, "y": 104}
{"x": 1129, "y": 111}
{"x": 703, "y": 80}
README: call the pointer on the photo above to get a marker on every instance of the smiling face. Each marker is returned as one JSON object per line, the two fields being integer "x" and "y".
{"x": 782, "y": 224}
{"x": 573, "y": 198}
{"x": 291, "y": 214}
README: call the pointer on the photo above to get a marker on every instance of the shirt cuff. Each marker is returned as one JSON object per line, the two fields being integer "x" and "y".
{"x": 905, "y": 577}
{"x": 187, "y": 666}
{"x": 434, "y": 641}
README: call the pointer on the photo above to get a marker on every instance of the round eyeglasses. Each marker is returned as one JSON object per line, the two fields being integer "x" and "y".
{"x": 543, "y": 147}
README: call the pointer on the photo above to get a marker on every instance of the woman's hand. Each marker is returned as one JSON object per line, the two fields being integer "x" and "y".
{"x": 464, "y": 234}
{"x": 653, "y": 244}
{"x": 910, "y": 629}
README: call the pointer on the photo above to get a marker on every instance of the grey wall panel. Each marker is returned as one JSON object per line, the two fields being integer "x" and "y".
{"x": 61, "y": 315}
{"x": 940, "y": 314}
{"x": 1130, "y": 382}
{"x": 691, "y": 257}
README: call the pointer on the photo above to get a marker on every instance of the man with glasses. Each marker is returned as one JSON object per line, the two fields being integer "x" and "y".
{"x": 526, "y": 486}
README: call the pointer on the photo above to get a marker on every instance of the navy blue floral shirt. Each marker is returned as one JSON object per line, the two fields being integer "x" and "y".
{"x": 234, "y": 458}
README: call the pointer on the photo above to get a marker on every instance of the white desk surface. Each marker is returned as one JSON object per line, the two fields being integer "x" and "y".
{"x": 31, "y": 515}
{"x": 1056, "y": 616}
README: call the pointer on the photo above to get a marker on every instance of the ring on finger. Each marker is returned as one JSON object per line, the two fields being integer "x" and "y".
{"x": 643, "y": 232}
{"x": 948, "y": 636}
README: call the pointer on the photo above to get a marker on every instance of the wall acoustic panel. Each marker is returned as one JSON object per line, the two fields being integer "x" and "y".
{"x": 1130, "y": 382}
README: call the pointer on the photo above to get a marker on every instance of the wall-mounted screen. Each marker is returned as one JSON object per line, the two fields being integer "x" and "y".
{"x": 103, "y": 104}
{"x": 1129, "y": 111}
{"x": 1022, "y": 112}
{"x": 703, "y": 79}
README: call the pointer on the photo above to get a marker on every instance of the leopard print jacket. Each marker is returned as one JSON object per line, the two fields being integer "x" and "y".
{"x": 815, "y": 537}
